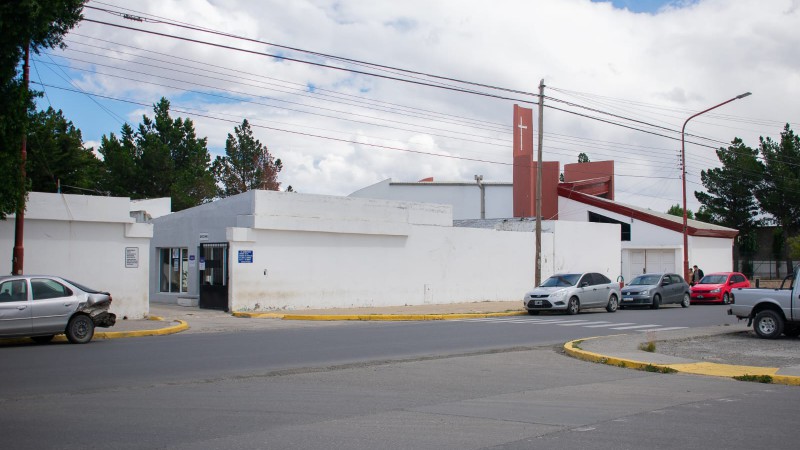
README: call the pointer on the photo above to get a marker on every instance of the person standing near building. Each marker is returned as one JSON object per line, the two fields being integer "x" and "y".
{"x": 697, "y": 275}
{"x": 690, "y": 280}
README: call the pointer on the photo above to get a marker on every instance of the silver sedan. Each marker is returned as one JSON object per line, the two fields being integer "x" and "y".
{"x": 41, "y": 306}
{"x": 571, "y": 292}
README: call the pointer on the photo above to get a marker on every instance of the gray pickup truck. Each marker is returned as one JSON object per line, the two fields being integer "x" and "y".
{"x": 770, "y": 311}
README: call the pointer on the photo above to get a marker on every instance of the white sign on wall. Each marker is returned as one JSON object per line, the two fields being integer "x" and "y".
{"x": 131, "y": 257}
{"x": 203, "y": 237}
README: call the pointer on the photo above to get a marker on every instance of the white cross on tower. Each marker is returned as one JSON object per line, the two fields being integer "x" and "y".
{"x": 521, "y": 127}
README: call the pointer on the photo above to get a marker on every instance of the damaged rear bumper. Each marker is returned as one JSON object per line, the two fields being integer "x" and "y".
{"x": 104, "y": 319}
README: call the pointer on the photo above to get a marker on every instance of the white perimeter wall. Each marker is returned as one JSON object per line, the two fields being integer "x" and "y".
{"x": 313, "y": 251}
{"x": 711, "y": 254}
{"x": 431, "y": 264}
{"x": 586, "y": 247}
{"x": 84, "y": 239}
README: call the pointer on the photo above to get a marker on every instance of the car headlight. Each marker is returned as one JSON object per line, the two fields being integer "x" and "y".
{"x": 715, "y": 291}
{"x": 645, "y": 292}
{"x": 558, "y": 295}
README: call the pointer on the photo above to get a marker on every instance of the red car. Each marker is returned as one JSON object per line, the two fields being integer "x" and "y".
{"x": 716, "y": 287}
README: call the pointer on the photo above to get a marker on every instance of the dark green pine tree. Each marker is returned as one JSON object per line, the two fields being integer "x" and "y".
{"x": 247, "y": 164}
{"x": 729, "y": 198}
{"x": 56, "y": 155}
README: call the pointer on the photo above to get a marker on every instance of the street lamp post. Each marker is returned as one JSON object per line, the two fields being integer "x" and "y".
{"x": 683, "y": 177}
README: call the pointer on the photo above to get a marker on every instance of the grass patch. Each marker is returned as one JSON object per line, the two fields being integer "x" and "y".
{"x": 766, "y": 379}
{"x": 648, "y": 346}
{"x": 577, "y": 344}
{"x": 622, "y": 364}
{"x": 657, "y": 369}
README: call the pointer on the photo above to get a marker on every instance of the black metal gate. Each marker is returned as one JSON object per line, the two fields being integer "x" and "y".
{"x": 214, "y": 276}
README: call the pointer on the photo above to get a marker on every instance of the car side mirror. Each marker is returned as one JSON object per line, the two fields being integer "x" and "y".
{"x": 584, "y": 284}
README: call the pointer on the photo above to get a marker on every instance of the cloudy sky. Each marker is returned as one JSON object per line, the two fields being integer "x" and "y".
{"x": 433, "y": 82}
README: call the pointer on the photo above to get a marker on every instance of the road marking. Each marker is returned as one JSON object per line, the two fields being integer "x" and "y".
{"x": 611, "y": 325}
{"x": 635, "y": 327}
{"x": 564, "y": 322}
{"x": 583, "y": 324}
{"x": 666, "y": 329}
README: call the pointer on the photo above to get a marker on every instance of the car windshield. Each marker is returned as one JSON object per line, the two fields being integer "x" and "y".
{"x": 714, "y": 279}
{"x": 561, "y": 280}
{"x": 645, "y": 280}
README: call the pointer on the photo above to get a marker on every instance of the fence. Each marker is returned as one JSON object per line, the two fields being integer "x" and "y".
{"x": 766, "y": 269}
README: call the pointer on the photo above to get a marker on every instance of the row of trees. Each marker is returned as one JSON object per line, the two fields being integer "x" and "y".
{"x": 753, "y": 188}
{"x": 162, "y": 157}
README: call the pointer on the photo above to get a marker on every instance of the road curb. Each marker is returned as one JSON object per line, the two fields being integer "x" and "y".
{"x": 376, "y": 317}
{"x": 572, "y": 348}
{"x": 180, "y": 326}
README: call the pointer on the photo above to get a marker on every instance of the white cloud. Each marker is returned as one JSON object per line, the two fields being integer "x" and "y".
{"x": 665, "y": 66}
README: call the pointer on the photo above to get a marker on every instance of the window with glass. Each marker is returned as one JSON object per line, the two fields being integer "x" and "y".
{"x": 44, "y": 289}
{"x": 174, "y": 270}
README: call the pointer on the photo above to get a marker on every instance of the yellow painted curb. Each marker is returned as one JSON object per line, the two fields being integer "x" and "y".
{"x": 377, "y": 317}
{"x": 181, "y": 326}
{"x": 697, "y": 368}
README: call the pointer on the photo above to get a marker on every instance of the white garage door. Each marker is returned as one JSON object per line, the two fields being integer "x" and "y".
{"x": 652, "y": 261}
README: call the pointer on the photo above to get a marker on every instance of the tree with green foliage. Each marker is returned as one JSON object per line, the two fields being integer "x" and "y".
{"x": 779, "y": 192}
{"x": 163, "y": 158}
{"x": 247, "y": 164}
{"x": 676, "y": 210}
{"x": 34, "y": 24}
{"x": 56, "y": 155}
{"x": 728, "y": 199}
{"x": 583, "y": 158}
{"x": 704, "y": 215}
{"x": 120, "y": 174}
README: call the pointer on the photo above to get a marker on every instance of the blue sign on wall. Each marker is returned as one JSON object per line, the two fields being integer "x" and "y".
{"x": 246, "y": 256}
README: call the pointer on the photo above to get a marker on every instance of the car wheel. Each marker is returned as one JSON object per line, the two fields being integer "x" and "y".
{"x": 43, "y": 339}
{"x": 80, "y": 329}
{"x": 686, "y": 300}
{"x": 613, "y": 303}
{"x": 768, "y": 324}
{"x": 656, "y": 302}
{"x": 533, "y": 313}
{"x": 573, "y": 306}
{"x": 726, "y": 299}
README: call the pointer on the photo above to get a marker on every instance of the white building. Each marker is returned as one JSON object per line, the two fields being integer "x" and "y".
{"x": 90, "y": 240}
{"x": 266, "y": 250}
{"x": 650, "y": 241}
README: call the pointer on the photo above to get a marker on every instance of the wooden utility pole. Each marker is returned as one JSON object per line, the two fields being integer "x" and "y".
{"x": 538, "y": 273}
{"x": 18, "y": 259}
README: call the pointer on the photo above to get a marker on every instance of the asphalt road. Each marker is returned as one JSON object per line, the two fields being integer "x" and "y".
{"x": 366, "y": 385}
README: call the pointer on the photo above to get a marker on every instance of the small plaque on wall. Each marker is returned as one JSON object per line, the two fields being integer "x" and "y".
{"x": 131, "y": 257}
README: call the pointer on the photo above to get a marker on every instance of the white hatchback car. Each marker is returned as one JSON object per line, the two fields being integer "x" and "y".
{"x": 571, "y": 292}
{"x": 41, "y": 306}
